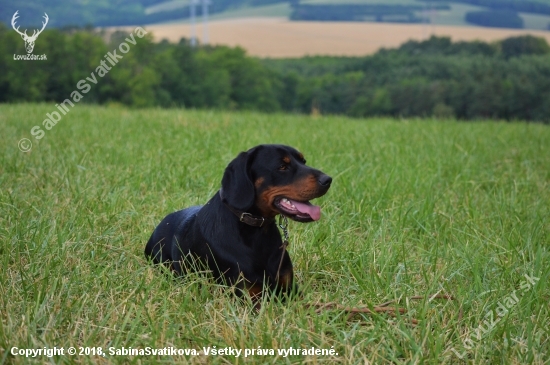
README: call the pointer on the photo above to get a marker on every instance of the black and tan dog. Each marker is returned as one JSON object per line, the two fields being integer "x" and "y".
{"x": 235, "y": 234}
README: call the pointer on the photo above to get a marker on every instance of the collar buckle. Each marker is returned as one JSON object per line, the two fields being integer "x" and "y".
{"x": 246, "y": 217}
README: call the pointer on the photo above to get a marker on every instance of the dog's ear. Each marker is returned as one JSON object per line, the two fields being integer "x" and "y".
{"x": 237, "y": 186}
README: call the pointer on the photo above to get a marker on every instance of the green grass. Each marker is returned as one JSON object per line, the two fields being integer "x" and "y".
{"x": 417, "y": 207}
{"x": 536, "y": 21}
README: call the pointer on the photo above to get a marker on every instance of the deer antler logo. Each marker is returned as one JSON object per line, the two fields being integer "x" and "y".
{"x": 29, "y": 40}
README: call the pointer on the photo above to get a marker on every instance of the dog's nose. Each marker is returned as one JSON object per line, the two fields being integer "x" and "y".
{"x": 324, "y": 180}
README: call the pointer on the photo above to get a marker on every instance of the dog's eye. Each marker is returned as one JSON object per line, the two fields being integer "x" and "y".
{"x": 283, "y": 167}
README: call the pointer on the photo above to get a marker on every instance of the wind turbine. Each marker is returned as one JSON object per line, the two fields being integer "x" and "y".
{"x": 205, "y": 4}
{"x": 192, "y": 4}
{"x": 193, "y": 13}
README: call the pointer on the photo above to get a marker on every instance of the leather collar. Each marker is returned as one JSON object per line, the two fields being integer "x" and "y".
{"x": 245, "y": 217}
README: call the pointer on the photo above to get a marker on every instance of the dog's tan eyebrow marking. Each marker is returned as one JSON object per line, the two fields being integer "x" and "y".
{"x": 259, "y": 182}
{"x": 286, "y": 159}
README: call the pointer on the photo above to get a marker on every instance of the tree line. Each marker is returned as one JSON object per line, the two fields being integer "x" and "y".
{"x": 523, "y": 6}
{"x": 360, "y": 12}
{"x": 465, "y": 80}
{"x": 495, "y": 19}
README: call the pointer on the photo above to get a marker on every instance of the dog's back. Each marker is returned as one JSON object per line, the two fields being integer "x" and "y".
{"x": 161, "y": 247}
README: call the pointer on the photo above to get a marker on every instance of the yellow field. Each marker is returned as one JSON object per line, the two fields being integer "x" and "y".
{"x": 278, "y": 37}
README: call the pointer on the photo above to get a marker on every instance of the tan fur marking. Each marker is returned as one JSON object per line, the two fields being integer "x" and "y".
{"x": 305, "y": 189}
{"x": 285, "y": 280}
{"x": 255, "y": 291}
{"x": 259, "y": 182}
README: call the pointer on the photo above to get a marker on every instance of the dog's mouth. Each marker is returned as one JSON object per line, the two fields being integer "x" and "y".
{"x": 298, "y": 211}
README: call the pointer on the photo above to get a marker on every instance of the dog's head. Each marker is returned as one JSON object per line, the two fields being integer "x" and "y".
{"x": 274, "y": 179}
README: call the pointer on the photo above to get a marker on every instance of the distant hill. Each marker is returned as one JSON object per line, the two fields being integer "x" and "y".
{"x": 63, "y": 13}
{"x": 529, "y": 14}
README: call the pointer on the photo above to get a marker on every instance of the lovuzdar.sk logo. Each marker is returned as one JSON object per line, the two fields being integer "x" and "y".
{"x": 29, "y": 39}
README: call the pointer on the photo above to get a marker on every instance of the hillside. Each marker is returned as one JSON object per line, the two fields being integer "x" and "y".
{"x": 531, "y": 14}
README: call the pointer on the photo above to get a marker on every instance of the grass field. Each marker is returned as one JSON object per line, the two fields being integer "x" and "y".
{"x": 417, "y": 207}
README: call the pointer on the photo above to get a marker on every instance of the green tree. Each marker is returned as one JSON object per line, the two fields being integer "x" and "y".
{"x": 253, "y": 86}
{"x": 524, "y": 45}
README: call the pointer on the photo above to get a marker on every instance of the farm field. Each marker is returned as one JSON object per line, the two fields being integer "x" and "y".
{"x": 454, "y": 16}
{"x": 417, "y": 207}
{"x": 278, "y": 38}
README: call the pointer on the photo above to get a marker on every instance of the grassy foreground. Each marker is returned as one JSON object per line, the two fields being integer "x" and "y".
{"x": 416, "y": 208}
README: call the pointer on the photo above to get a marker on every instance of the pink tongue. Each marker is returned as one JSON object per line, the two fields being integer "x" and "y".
{"x": 312, "y": 210}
